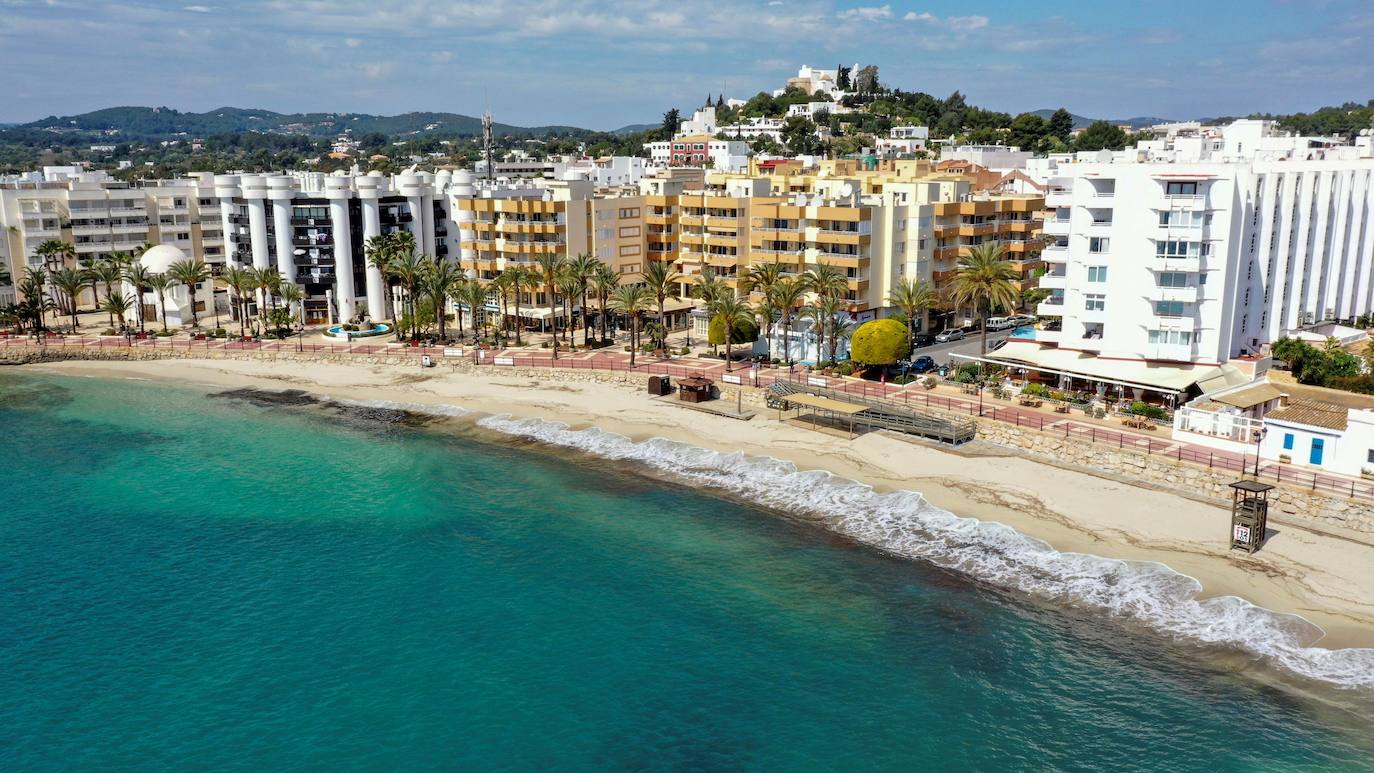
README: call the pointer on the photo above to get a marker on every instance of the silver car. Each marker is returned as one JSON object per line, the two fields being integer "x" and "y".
{"x": 949, "y": 335}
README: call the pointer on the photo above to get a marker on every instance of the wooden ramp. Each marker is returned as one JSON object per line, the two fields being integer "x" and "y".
{"x": 870, "y": 412}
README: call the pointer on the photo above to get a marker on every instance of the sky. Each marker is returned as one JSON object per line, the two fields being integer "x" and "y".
{"x": 603, "y": 64}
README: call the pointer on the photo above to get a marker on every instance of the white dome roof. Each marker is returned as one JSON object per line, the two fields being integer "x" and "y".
{"x": 160, "y": 258}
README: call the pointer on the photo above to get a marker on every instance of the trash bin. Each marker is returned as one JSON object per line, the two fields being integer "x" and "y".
{"x": 659, "y": 386}
{"x": 426, "y": 361}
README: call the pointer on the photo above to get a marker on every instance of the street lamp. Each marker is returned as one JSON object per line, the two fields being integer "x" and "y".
{"x": 1259, "y": 437}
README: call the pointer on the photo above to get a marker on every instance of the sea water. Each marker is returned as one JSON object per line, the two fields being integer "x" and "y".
{"x": 252, "y": 582}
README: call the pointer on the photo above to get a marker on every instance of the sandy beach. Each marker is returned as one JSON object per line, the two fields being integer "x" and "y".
{"x": 1325, "y": 576}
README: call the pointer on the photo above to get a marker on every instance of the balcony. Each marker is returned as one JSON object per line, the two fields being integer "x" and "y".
{"x": 1052, "y": 306}
{"x": 312, "y": 241}
{"x": 1058, "y": 197}
{"x": 129, "y": 211}
{"x": 1057, "y": 227}
{"x": 91, "y": 228}
{"x": 310, "y": 221}
{"x": 1185, "y": 294}
{"x": 238, "y": 219}
{"x": 1053, "y": 281}
{"x": 1186, "y": 264}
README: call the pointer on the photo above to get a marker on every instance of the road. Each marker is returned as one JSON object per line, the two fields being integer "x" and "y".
{"x": 941, "y": 352}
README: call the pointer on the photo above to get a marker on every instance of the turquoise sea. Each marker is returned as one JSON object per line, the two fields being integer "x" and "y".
{"x": 207, "y": 582}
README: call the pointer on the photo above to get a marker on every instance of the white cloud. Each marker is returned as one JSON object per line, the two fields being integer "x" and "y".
{"x": 352, "y": 42}
{"x": 866, "y": 13}
{"x": 196, "y": 8}
{"x": 957, "y": 23}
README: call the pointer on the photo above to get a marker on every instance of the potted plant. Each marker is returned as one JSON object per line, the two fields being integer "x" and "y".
{"x": 1285, "y": 458}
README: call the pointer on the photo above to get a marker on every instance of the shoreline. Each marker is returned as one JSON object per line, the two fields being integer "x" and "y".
{"x": 1327, "y": 579}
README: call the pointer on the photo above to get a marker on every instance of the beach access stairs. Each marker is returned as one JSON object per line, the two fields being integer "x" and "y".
{"x": 873, "y": 412}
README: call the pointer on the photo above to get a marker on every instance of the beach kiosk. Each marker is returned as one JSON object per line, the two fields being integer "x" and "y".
{"x": 660, "y": 386}
{"x": 694, "y": 389}
{"x": 1249, "y": 514}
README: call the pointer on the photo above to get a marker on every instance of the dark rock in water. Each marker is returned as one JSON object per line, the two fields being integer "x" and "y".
{"x": 270, "y": 398}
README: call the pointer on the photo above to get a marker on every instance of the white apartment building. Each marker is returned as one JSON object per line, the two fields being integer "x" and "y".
{"x": 1157, "y": 268}
{"x": 903, "y": 141}
{"x": 998, "y": 158}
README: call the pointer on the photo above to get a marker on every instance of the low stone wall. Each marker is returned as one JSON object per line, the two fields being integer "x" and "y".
{"x": 1160, "y": 471}
{"x": 1145, "y": 469}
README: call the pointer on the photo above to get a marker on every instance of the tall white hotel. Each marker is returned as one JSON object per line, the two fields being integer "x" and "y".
{"x": 1160, "y": 268}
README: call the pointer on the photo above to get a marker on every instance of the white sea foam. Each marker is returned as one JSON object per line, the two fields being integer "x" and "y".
{"x": 904, "y": 523}
{"x": 429, "y": 409}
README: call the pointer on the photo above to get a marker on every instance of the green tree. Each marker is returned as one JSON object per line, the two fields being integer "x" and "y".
{"x": 192, "y": 272}
{"x": 661, "y": 280}
{"x": 69, "y": 281}
{"x": 1061, "y": 125}
{"x": 880, "y": 342}
{"x": 630, "y": 300}
{"x": 731, "y": 313}
{"x": 1101, "y": 136}
{"x": 788, "y": 294}
{"x": 604, "y": 282}
{"x": 118, "y": 305}
{"x": 160, "y": 284}
{"x": 240, "y": 284}
{"x": 583, "y": 268}
{"x": 671, "y": 120}
{"x": 913, "y": 297}
{"x": 137, "y": 275}
{"x": 1026, "y": 131}
{"x": 437, "y": 283}
{"x": 984, "y": 280}
{"x": 292, "y": 296}
{"x": 550, "y": 268}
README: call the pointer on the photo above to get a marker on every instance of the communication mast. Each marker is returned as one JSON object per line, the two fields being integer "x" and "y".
{"x": 487, "y": 148}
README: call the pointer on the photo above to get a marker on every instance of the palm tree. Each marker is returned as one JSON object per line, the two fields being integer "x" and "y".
{"x": 984, "y": 279}
{"x": 35, "y": 301}
{"x": 160, "y": 283}
{"x": 767, "y": 308}
{"x": 137, "y": 275}
{"x": 520, "y": 278}
{"x": 108, "y": 274}
{"x": 828, "y": 309}
{"x": 267, "y": 280}
{"x": 913, "y": 296}
{"x": 293, "y": 294}
{"x": 239, "y": 282}
{"x": 788, "y": 293}
{"x": 567, "y": 287}
{"x": 631, "y": 300}
{"x": 55, "y": 253}
{"x": 730, "y": 311}
{"x": 708, "y": 287}
{"x": 584, "y": 268}
{"x": 438, "y": 281}
{"x": 379, "y": 250}
{"x": 191, "y": 272}
{"x": 550, "y": 267}
{"x": 475, "y": 297}
{"x": 604, "y": 281}
{"x": 828, "y": 283}
{"x": 69, "y": 280}
{"x": 118, "y": 305}
{"x": 661, "y": 279}
{"x": 455, "y": 294}
{"x": 762, "y": 277}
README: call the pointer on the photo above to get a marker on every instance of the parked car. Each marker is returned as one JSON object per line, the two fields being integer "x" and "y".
{"x": 922, "y": 364}
{"x": 1023, "y": 319}
{"x": 1000, "y": 323}
{"x": 922, "y": 339}
{"x": 953, "y": 334}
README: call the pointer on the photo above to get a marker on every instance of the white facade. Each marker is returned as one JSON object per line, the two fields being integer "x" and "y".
{"x": 1348, "y": 450}
{"x": 1201, "y": 263}
{"x": 999, "y": 158}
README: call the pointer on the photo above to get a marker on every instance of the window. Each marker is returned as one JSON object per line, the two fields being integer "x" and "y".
{"x": 629, "y": 231}
{"x": 1171, "y": 248}
{"x": 1175, "y": 337}
{"x": 1181, "y": 189}
{"x": 1097, "y": 273}
{"x": 1288, "y": 441}
{"x": 1173, "y": 279}
{"x": 629, "y": 213}
{"x": 1094, "y": 302}
{"x": 1099, "y": 244}
{"x": 1369, "y": 456}
{"x": 1169, "y": 308}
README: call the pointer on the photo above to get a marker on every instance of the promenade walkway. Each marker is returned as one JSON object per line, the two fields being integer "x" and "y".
{"x": 1108, "y": 433}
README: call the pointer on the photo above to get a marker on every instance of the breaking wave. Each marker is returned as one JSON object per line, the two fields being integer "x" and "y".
{"x": 426, "y": 409}
{"x": 903, "y": 523}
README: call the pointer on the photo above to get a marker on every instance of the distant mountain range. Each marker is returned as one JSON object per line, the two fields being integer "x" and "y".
{"x": 1080, "y": 122}
{"x": 155, "y": 122}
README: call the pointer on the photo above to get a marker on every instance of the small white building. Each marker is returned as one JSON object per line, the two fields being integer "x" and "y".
{"x": 999, "y": 158}
{"x": 1317, "y": 435}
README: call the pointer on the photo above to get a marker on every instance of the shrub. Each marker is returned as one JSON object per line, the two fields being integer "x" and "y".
{"x": 1141, "y": 408}
{"x": 165, "y": 333}
{"x": 966, "y": 373}
{"x": 844, "y": 369}
{"x": 746, "y": 332}
{"x": 684, "y": 350}
{"x": 880, "y": 342}
{"x": 545, "y": 345}
{"x": 109, "y": 331}
{"x": 930, "y": 382}
{"x": 1035, "y": 390}
{"x": 218, "y": 332}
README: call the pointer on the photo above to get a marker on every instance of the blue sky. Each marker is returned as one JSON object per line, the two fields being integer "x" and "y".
{"x": 606, "y": 63}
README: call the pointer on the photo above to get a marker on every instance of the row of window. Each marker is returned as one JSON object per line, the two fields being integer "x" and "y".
{"x": 1183, "y": 337}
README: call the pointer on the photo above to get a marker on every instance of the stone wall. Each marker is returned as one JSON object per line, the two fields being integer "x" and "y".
{"x": 1157, "y": 470}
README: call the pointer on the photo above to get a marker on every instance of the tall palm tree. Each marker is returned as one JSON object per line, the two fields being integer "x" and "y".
{"x": 409, "y": 268}
{"x": 55, "y": 253}
{"x": 108, "y": 274}
{"x": 475, "y": 297}
{"x": 630, "y": 300}
{"x": 550, "y": 267}
{"x": 455, "y": 294}
{"x": 707, "y": 286}
{"x": 118, "y": 305}
{"x": 762, "y": 277}
{"x": 293, "y": 294}
{"x": 160, "y": 284}
{"x": 438, "y": 281}
{"x": 520, "y": 278}
{"x": 730, "y": 311}
{"x": 828, "y": 309}
{"x": 567, "y": 287}
{"x": 788, "y": 293}
{"x": 768, "y": 309}
{"x": 913, "y": 296}
{"x": 137, "y": 275}
{"x": 239, "y": 281}
{"x": 191, "y": 272}
{"x": 584, "y": 268}
{"x": 36, "y": 301}
{"x": 661, "y": 280}
{"x": 829, "y": 284}
{"x": 604, "y": 283}
{"x": 380, "y": 250}
{"x": 69, "y": 281}
{"x": 984, "y": 279}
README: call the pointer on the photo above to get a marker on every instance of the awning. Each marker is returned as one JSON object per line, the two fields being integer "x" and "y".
{"x": 826, "y": 404}
{"x": 1140, "y": 374}
{"x": 1249, "y": 397}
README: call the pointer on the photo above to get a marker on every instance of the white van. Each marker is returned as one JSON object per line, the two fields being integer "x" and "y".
{"x": 1000, "y": 323}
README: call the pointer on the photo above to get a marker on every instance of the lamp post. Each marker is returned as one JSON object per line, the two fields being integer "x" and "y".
{"x": 1259, "y": 437}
